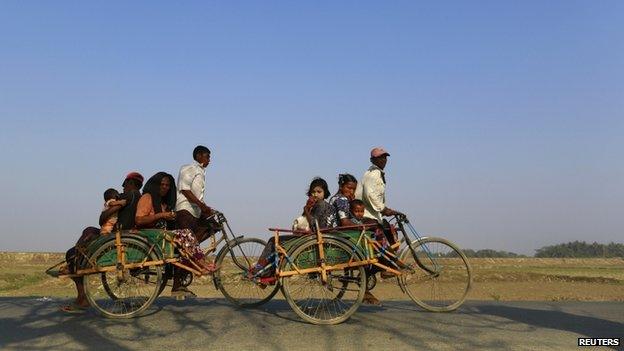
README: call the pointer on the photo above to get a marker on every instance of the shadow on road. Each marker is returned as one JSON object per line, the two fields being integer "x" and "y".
{"x": 28, "y": 324}
{"x": 554, "y": 319}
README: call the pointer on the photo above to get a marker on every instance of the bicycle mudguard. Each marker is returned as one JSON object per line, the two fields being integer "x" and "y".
{"x": 150, "y": 237}
{"x": 350, "y": 240}
{"x": 356, "y": 250}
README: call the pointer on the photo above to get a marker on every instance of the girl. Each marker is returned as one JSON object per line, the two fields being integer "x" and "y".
{"x": 340, "y": 201}
{"x": 316, "y": 210}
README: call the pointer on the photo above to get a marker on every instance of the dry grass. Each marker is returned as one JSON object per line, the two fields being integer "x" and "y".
{"x": 501, "y": 279}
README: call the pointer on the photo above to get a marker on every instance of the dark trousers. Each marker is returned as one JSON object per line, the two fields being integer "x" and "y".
{"x": 72, "y": 257}
{"x": 201, "y": 227}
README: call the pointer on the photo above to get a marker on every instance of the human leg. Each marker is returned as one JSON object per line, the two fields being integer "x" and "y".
{"x": 71, "y": 257}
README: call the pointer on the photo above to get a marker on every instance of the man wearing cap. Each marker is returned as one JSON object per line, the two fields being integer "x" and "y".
{"x": 131, "y": 193}
{"x": 372, "y": 189}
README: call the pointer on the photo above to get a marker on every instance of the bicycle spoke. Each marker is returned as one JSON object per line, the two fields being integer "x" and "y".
{"x": 444, "y": 282}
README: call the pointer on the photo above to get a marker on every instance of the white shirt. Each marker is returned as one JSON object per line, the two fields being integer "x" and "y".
{"x": 191, "y": 177}
{"x": 372, "y": 191}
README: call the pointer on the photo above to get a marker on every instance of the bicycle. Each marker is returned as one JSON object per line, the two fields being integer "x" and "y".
{"x": 323, "y": 275}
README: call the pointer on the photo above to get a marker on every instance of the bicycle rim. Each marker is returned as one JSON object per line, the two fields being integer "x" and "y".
{"x": 313, "y": 300}
{"x": 234, "y": 279}
{"x": 128, "y": 294}
{"x": 440, "y": 276}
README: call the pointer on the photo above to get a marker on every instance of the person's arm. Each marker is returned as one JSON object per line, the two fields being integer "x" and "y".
{"x": 105, "y": 215}
{"x": 186, "y": 178}
{"x": 149, "y": 220}
{"x": 193, "y": 199}
{"x": 307, "y": 210}
{"x": 144, "y": 218}
{"x": 113, "y": 206}
{"x": 117, "y": 203}
{"x": 343, "y": 210}
{"x": 390, "y": 212}
{"x": 376, "y": 197}
{"x": 375, "y": 193}
{"x": 346, "y": 222}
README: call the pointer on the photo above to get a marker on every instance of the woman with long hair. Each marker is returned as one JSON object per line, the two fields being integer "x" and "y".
{"x": 156, "y": 210}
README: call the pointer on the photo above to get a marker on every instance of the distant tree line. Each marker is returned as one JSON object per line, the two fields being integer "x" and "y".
{"x": 486, "y": 253}
{"x": 581, "y": 249}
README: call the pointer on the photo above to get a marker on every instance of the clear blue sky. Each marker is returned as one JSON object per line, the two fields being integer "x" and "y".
{"x": 505, "y": 120}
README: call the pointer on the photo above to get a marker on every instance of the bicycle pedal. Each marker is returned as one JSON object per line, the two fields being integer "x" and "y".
{"x": 180, "y": 297}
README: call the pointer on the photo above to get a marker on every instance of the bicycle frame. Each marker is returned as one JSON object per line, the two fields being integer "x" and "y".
{"x": 373, "y": 252}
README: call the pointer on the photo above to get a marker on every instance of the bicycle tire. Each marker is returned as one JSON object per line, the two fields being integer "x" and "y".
{"x": 123, "y": 300}
{"x": 450, "y": 274}
{"x": 314, "y": 301}
{"x": 233, "y": 276}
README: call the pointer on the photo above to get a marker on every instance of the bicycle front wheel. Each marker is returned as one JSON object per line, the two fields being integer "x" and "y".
{"x": 439, "y": 277}
{"x": 234, "y": 278}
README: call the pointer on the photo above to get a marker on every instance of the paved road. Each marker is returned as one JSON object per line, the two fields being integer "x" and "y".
{"x": 29, "y": 324}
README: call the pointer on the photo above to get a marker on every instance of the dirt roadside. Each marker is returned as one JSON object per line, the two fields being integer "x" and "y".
{"x": 499, "y": 279}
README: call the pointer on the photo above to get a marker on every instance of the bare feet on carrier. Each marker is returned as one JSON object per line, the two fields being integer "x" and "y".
{"x": 64, "y": 270}
{"x": 206, "y": 266}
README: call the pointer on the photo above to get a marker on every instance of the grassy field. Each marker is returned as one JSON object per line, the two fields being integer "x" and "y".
{"x": 501, "y": 279}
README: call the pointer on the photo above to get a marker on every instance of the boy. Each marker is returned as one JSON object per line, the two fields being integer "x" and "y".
{"x": 356, "y": 207}
{"x": 110, "y": 200}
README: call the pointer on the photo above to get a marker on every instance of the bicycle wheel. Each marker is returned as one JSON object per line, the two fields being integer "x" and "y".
{"x": 331, "y": 302}
{"x": 127, "y": 294}
{"x": 233, "y": 278}
{"x": 440, "y": 276}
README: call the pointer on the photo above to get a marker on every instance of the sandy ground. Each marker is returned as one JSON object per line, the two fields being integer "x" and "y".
{"x": 530, "y": 279}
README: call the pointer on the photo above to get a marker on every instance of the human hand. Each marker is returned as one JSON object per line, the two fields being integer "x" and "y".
{"x": 168, "y": 216}
{"x": 116, "y": 203}
{"x": 205, "y": 210}
{"x": 309, "y": 204}
{"x": 311, "y": 201}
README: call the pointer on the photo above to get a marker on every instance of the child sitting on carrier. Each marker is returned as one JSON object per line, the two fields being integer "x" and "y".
{"x": 356, "y": 208}
{"x": 356, "y": 214}
{"x": 110, "y": 200}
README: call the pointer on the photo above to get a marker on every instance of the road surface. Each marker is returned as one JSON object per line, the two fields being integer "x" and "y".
{"x": 214, "y": 324}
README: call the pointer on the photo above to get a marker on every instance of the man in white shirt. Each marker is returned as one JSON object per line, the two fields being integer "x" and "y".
{"x": 191, "y": 210}
{"x": 372, "y": 189}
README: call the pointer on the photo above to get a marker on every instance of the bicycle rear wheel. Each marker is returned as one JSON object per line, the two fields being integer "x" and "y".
{"x": 440, "y": 276}
{"x": 233, "y": 278}
{"x": 127, "y": 294}
{"x": 331, "y": 302}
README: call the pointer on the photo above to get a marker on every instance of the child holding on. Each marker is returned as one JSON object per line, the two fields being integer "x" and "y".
{"x": 110, "y": 200}
{"x": 356, "y": 208}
